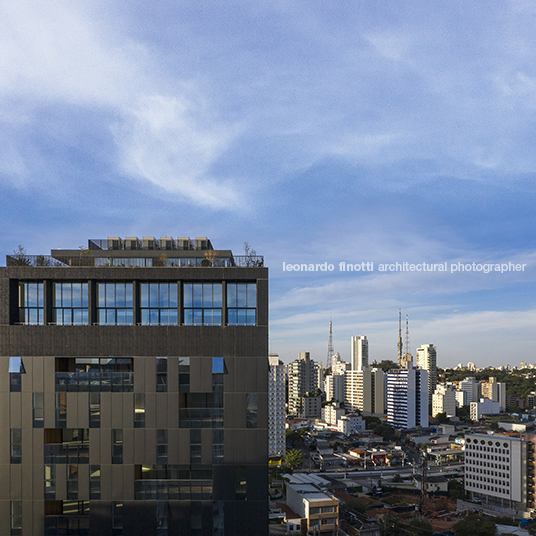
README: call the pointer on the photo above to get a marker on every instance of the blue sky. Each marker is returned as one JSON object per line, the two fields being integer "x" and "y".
{"x": 316, "y": 131}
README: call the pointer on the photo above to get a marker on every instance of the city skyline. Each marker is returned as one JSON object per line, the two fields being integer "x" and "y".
{"x": 344, "y": 135}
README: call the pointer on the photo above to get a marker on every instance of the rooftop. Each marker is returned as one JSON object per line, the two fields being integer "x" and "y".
{"x": 142, "y": 253}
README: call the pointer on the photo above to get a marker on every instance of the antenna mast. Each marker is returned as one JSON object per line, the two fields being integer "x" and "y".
{"x": 400, "y": 345}
{"x": 330, "y": 344}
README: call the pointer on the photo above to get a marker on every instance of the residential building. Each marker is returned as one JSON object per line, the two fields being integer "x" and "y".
{"x": 427, "y": 360}
{"x": 134, "y": 385}
{"x": 444, "y": 400}
{"x": 365, "y": 391}
{"x": 461, "y": 398}
{"x": 302, "y": 379}
{"x": 472, "y": 387}
{"x": 407, "y": 398}
{"x": 318, "y": 510}
{"x": 276, "y": 406}
{"x": 360, "y": 354}
{"x": 338, "y": 366}
{"x": 311, "y": 407}
{"x": 351, "y": 423}
{"x": 495, "y": 391}
{"x": 331, "y": 413}
{"x": 334, "y": 387}
{"x": 478, "y": 409}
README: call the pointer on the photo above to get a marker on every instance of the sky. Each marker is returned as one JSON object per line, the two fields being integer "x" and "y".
{"x": 316, "y": 131}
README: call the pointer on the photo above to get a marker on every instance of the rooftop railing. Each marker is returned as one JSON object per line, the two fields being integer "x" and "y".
{"x": 238, "y": 261}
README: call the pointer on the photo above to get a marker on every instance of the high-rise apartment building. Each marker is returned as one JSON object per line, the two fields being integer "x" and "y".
{"x": 276, "y": 406}
{"x": 407, "y": 398}
{"x": 365, "y": 391}
{"x": 472, "y": 387}
{"x": 495, "y": 391}
{"x": 444, "y": 400}
{"x": 302, "y": 379}
{"x": 134, "y": 390}
{"x": 360, "y": 354}
{"x": 427, "y": 360}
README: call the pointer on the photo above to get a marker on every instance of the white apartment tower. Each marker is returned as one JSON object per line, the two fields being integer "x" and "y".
{"x": 427, "y": 360}
{"x": 359, "y": 352}
{"x": 444, "y": 400}
{"x": 472, "y": 388}
{"x": 276, "y": 406}
{"x": 407, "y": 398}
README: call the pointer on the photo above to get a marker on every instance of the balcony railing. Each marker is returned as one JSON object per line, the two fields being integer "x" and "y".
{"x": 238, "y": 261}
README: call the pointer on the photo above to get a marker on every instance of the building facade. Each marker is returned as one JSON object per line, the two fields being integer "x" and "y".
{"x": 276, "y": 406}
{"x": 134, "y": 384}
{"x": 444, "y": 400}
{"x": 407, "y": 398}
{"x": 302, "y": 378}
{"x": 360, "y": 352}
{"x": 496, "y": 471}
{"x": 427, "y": 360}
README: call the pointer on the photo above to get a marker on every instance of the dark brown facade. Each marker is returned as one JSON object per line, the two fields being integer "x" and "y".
{"x": 138, "y": 415}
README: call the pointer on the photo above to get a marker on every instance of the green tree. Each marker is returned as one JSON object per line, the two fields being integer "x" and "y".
{"x": 386, "y": 365}
{"x": 475, "y": 525}
{"x": 357, "y": 505}
{"x": 293, "y": 458}
{"x": 456, "y": 489}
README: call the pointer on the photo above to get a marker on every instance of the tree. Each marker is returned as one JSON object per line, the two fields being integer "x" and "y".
{"x": 456, "y": 489}
{"x": 420, "y": 527}
{"x": 386, "y": 365}
{"x": 293, "y": 458}
{"x": 293, "y": 438}
{"x": 475, "y": 525}
{"x": 397, "y": 478}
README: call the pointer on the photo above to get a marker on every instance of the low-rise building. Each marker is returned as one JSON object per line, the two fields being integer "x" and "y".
{"x": 319, "y": 509}
{"x": 351, "y": 423}
{"x": 478, "y": 409}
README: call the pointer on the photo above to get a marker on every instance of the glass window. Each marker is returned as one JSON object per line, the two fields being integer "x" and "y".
{"x": 94, "y": 482}
{"x": 218, "y": 365}
{"x": 115, "y": 304}
{"x": 38, "y": 403}
{"x": 162, "y": 446}
{"x": 139, "y": 410}
{"x": 31, "y": 303}
{"x": 158, "y": 304}
{"x": 50, "y": 482}
{"x": 202, "y": 304}
{"x": 16, "y": 518}
{"x": 16, "y": 369}
{"x": 241, "y": 304}
{"x": 72, "y": 482}
{"x": 61, "y": 410}
{"x": 251, "y": 410}
{"x": 117, "y": 445}
{"x": 184, "y": 374}
{"x": 94, "y": 410}
{"x": 71, "y": 304}
{"x": 161, "y": 374}
{"x": 16, "y": 445}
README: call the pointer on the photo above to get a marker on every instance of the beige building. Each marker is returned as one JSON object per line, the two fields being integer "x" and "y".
{"x": 318, "y": 510}
{"x": 444, "y": 400}
{"x": 365, "y": 391}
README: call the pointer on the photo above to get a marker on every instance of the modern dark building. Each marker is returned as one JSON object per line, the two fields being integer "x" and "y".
{"x": 133, "y": 390}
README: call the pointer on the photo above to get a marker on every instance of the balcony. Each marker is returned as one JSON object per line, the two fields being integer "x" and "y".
{"x": 66, "y": 261}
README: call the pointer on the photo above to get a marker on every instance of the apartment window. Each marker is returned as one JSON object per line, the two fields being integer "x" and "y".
{"x": 16, "y": 369}
{"x": 16, "y": 445}
{"x": 94, "y": 410}
{"x": 217, "y": 446}
{"x": 15, "y": 517}
{"x": 115, "y": 304}
{"x": 139, "y": 410}
{"x": 117, "y": 445}
{"x": 161, "y": 446}
{"x": 38, "y": 409}
{"x": 94, "y": 482}
{"x": 71, "y": 304}
{"x": 218, "y": 365}
{"x": 117, "y": 518}
{"x": 203, "y": 304}
{"x": 31, "y": 303}
{"x": 158, "y": 304}
{"x": 50, "y": 482}
{"x": 240, "y": 484}
{"x": 161, "y": 374}
{"x": 72, "y": 482}
{"x": 251, "y": 410}
{"x": 195, "y": 446}
{"x": 241, "y": 304}
{"x": 61, "y": 410}
{"x": 184, "y": 374}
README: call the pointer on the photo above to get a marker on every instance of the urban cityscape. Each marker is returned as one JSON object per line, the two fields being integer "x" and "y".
{"x": 206, "y": 432}
{"x": 267, "y": 268}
